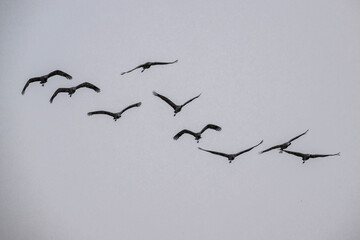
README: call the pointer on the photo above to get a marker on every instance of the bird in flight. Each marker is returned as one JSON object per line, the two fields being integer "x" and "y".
{"x": 148, "y": 65}
{"x": 197, "y": 135}
{"x": 117, "y": 115}
{"x": 72, "y": 90}
{"x": 231, "y": 157}
{"x": 306, "y": 156}
{"x": 284, "y": 145}
{"x": 43, "y": 79}
{"x": 177, "y": 108}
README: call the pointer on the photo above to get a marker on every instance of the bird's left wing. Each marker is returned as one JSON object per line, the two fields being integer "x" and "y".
{"x": 131, "y": 106}
{"x": 191, "y": 99}
{"x": 211, "y": 126}
{"x": 60, "y": 73}
{"x": 324, "y": 155}
{"x": 298, "y": 136}
{"x": 88, "y": 85}
{"x": 244, "y": 151}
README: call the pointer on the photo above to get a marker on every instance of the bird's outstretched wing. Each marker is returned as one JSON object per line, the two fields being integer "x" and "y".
{"x": 140, "y": 66}
{"x": 173, "y": 105}
{"x": 102, "y": 112}
{"x": 176, "y": 137}
{"x": 191, "y": 99}
{"x": 213, "y": 152}
{"x": 324, "y": 155}
{"x": 298, "y": 136}
{"x": 59, "y": 90}
{"x": 295, "y": 153}
{"x": 211, "y": 126}
{"x": 131, "y": 106}
{"x": 269, "y": 149}
{"x": 60, "y": 73}
{"x": 163, "y": 63}
{"x": 239, "y": 153}
{"x": 31, "y": 80}
{"x": 88, "y": 85}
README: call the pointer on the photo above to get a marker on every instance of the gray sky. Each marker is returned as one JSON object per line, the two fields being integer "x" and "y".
{"x": 266, "y": 70}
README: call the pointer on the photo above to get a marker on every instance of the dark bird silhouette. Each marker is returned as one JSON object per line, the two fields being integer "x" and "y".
{"x": 72, "y": 90}
{"x": 148, "y": 65}
{"x": 177, "y": 108}
{"x": 306, "y": 156}
{"x": 231, "y": 157}
{"x": 117, "y": 115}
{"x": 284, "y": 145}
{"x": 197, "y": 135}
{"x": 43, "y": 79}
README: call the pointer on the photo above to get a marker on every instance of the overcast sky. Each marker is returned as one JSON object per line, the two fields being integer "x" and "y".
{"x": 267, "y": 70}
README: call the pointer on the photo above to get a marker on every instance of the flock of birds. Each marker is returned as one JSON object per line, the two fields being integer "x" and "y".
{"x": 177, "y": 108}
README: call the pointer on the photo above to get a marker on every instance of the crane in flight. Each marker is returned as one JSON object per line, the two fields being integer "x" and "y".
{"x": 284, "y": 145}
{"x": 148, "y": 65}
{"x": 177, "y": 108}
{"x": 197, "y": 135}
{"x": 231, "y": 157}
{"x": 307, "y": 156}
{"x": 72, "y": 90}
{"x": 116, "y": 115}
{"x": 43, "y": 79}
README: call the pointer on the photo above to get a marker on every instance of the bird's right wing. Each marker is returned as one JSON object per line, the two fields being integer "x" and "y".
{"x": 131, "y": 106}
{"x": 163, "y": 63}
{"x": 31, "y": 80}
{"x": 133, "y": 69}
{"x": 295, "y": 153}
{"x": 211, "y": 126}
{"x": 173, "y": 105}
{"x": 101, "y": 112}
{"x": 176, "y": 137}
{"x": 60, "y": 73}
{"x": 213, "y": 152}
{"x": 191, "y": 99}
{"x": 59, "y": 90}
{"x": 299, "y": 136}
{"x": 269, "y": 149}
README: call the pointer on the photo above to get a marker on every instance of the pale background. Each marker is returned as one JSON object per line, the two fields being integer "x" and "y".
{"x": 266, "y": 70}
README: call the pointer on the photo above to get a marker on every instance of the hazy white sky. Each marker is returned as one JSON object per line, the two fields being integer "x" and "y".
{"x": 266, "y": 70}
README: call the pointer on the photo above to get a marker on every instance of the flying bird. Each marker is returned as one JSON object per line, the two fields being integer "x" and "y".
{"x": 72, "y": 90}
{"x": 284, "y": 145}
{"x": 177, "y": 108}
{"x": 231, "y": 157}
{"x": 306, "y": 156}
{"x": 117, "y": 115}
{"x": 148, "y": 65}
{"x": 43, "y": 79}
{"x": 197, "y": 135}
